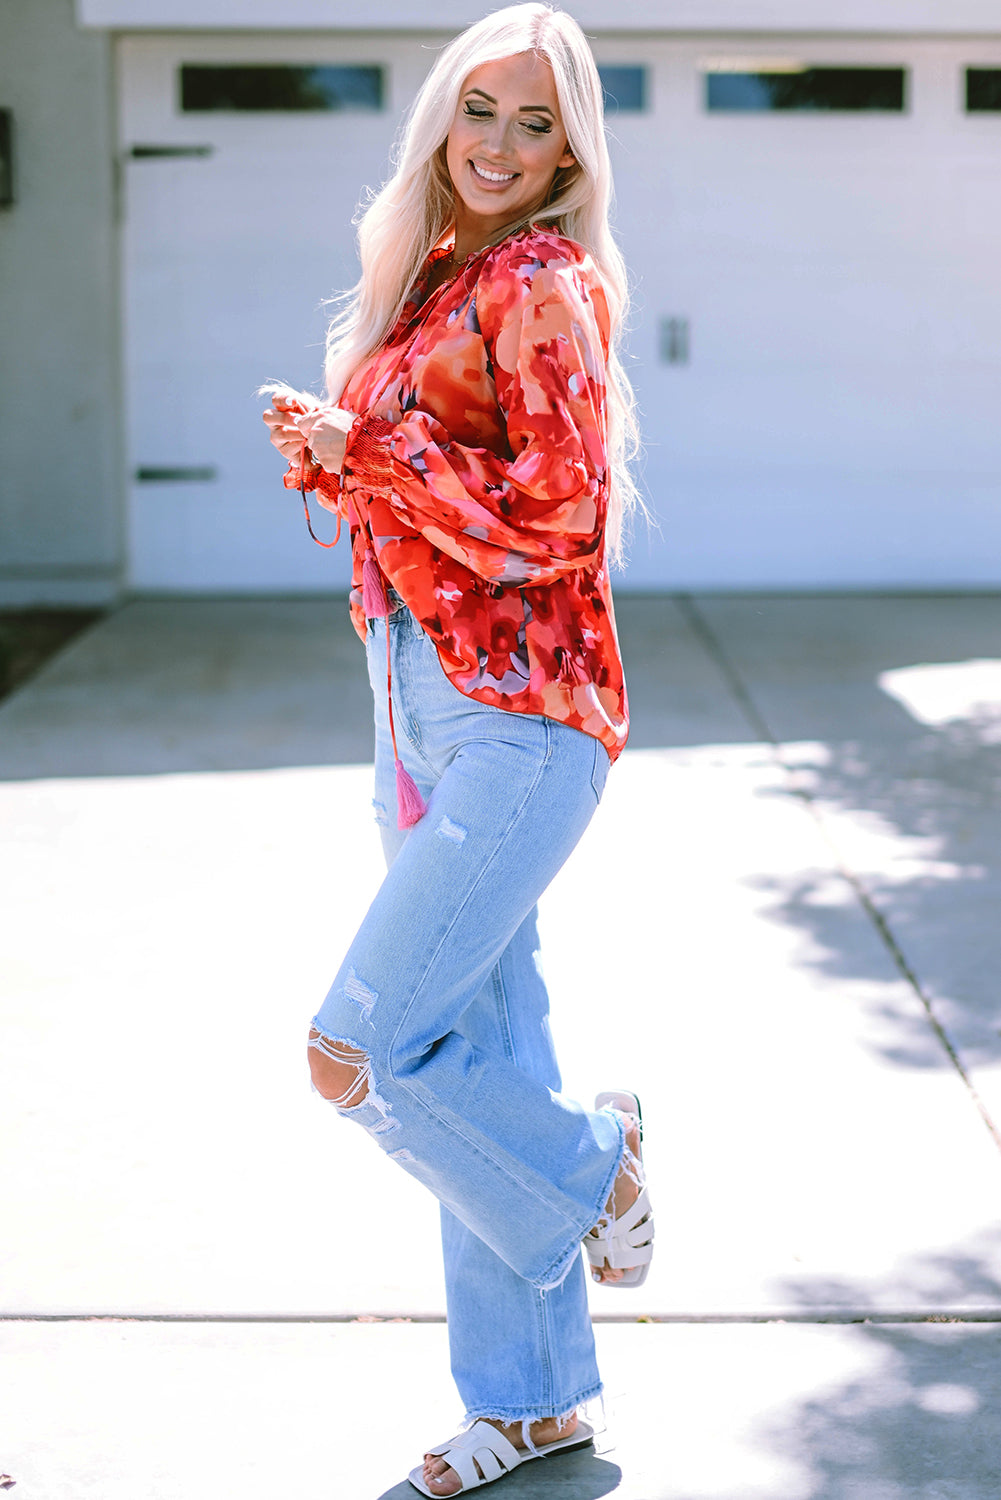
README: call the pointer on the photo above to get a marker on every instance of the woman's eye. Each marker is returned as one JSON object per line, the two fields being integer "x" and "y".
{"x": 538, "y": 127}
{"x": 477, "y": 114}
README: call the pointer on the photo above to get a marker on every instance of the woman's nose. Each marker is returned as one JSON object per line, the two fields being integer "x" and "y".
{"x": 497, "y": 137}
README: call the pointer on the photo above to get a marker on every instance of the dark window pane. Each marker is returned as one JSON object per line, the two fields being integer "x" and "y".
{"x": 625, "y": 88}
{"x": 811, "y": 89}
{"x": 279, "y": 87}
{"x": 983, "y": 89}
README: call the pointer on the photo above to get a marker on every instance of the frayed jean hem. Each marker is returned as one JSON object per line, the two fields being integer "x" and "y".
{"x": 543, "y": 1413}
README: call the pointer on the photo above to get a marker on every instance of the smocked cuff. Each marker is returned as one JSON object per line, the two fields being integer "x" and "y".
{"x": 368, "y": 454}
{"x": 296, "y": 474}
{"x": 328, "y": 489}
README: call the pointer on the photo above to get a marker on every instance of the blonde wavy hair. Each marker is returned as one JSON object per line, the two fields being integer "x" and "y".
{"x": 414, "y": 210}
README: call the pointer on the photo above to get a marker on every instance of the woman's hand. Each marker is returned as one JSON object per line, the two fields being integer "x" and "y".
{"x": 293, "y": 419}
{"x": 325, "y": 429}
{"x": 280, "y": 420}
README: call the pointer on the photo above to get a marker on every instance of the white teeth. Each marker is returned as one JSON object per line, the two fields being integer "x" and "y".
{"x": 493, "y": 176}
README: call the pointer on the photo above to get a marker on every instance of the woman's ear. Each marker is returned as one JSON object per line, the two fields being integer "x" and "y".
{"x": 567, "y": 159}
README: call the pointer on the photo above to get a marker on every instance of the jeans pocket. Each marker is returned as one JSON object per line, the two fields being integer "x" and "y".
{"x": 599, "y": 773}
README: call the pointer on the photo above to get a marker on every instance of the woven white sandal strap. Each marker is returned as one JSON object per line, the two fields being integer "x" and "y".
{"x": 481, "y": 1445}
{"x": 635, "y": 1227}
{"x": 626, "y": 1241}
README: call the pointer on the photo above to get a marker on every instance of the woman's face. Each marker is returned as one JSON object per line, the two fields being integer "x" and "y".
{"x": 505, "y": 146}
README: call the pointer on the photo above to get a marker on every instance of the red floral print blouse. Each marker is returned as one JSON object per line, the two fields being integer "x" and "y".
{"x": 475, "y": 474}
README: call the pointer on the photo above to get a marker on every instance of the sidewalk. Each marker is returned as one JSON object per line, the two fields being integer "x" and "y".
{"x": 802, "y": 881}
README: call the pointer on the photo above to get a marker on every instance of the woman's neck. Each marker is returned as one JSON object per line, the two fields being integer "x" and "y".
{"x": 471, "y": 239}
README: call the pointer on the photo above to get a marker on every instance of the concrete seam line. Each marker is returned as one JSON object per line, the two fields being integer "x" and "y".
{"x": 828, "y": 1315}
{"x": 715, "y": 649}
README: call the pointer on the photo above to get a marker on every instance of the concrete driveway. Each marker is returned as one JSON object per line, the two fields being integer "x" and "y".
{"x": 795, "y": 966}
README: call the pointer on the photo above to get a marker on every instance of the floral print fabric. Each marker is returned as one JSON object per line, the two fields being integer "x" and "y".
{"x": 475, "y": 474}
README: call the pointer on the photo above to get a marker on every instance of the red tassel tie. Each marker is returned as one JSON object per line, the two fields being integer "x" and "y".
{"x": 373, "y": 590}
{"x": 410, "y": 805}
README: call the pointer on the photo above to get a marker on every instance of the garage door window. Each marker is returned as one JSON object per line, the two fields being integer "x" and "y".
{"x": 983, "y": 90}
{"x": 279, "y": 87}
{"x": 624, "y": 87}
{"x": 795, "y": 86}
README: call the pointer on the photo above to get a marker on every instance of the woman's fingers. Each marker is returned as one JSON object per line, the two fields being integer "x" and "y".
{"x": 284, "y": 434}
{"x": 322, "y": 429}
{"x": 288, "y": 441}
{"x": 325, "y": 430}
{"x": 306, "y": 422}
{"x": 286, "y": 399}
{"x": 329, "y": 418}
{"x": 277, "y": 420}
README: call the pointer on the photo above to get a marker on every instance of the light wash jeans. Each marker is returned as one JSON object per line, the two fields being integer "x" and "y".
{"x": 441, "y": 988}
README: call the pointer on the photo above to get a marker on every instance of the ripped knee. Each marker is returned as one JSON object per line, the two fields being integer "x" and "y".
{"x": 340, "y": 1072}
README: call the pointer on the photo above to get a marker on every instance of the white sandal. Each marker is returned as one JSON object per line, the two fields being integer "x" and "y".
{"x": 482, "y": 1454}
{"x": 625, "y": 1243}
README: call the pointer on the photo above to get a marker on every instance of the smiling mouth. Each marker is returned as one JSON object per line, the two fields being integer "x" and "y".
{"x": 487, "y": 176}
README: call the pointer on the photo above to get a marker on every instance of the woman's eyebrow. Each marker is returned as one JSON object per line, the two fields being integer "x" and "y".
{"x": 534, "y": 109}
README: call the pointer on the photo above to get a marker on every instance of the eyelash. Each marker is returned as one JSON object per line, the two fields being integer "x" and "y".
{"x": 532, "y": 126}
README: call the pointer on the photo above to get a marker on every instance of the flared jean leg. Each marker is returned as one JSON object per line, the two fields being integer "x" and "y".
{"x": 525, "y": 1168}
{"x": 517, "y": 1353}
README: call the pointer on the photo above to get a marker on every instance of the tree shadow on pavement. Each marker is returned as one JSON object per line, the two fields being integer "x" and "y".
{"x": 923, "y": 841}
{"x": 920, "y": 1420}
{"x": 884, "y": 713}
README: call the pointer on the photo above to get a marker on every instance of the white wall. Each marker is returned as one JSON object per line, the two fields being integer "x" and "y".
{"x": 913, "y": 16}
{"x": 60, "y": 500}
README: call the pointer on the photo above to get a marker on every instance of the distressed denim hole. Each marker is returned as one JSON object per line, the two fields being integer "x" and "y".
{"x": 454, "y": 833}
{"x": 341, "y": 1072}
{"x": 362, "y": 994}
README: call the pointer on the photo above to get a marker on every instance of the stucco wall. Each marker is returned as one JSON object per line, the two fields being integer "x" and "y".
{"x": 60, "y": 501}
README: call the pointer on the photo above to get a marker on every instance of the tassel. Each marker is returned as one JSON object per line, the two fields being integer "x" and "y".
{"x": 373, "y": 590}
{"x": 411, "y": 806}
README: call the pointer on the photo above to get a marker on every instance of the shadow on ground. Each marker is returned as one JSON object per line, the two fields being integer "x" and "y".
{"x": 866, "y": 699}
{"x": 921, "y": 1419}
{"x": 564, "y": 1476}
{"x": 31, "y": 637}
{"x": 924, "y": 845}
{"x": 192, "y": 685}
{"x": 196, "y": 685}
{"x": 208, "y": 685}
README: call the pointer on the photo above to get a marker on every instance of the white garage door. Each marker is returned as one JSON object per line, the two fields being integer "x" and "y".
{"x": 237, "y": 224}
{"x": 817, "y": 343}
{"x": 837, "y": 420}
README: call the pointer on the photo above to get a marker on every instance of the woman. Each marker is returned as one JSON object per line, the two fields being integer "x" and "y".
{"x": 475, "y": 437}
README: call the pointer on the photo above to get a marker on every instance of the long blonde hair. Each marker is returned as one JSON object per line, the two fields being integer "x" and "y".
{"x": 409, "y": 216}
